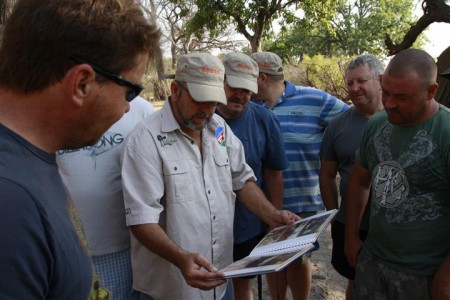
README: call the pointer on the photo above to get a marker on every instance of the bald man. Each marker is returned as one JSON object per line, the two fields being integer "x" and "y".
{"x": 403, "y": 158}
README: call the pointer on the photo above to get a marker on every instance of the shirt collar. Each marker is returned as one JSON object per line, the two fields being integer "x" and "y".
{"x": 168, "y": 121}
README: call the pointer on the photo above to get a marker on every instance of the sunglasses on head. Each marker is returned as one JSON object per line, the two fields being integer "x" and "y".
{"x": 135, "y": 89}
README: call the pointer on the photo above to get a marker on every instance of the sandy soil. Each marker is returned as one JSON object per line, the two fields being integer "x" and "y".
{"x": 326, "y": 284}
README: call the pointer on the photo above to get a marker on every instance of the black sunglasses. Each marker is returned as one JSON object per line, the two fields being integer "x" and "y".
{"x": 135, "y": 89}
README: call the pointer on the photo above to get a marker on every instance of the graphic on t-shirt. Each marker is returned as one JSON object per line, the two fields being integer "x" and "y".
{"x": 391, "y": 176}
{"x": 109, "y": 141}
{"x": 220, "y": 136}
{"x": 390, "y": 184}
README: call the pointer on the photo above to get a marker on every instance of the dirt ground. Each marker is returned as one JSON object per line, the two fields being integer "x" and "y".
{"x": 326, "y": 283}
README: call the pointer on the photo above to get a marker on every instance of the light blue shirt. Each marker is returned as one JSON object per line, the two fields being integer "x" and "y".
{"x": 304, "y": 113}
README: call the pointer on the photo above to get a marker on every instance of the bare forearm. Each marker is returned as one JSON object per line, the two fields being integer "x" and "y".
{"x": 356, "y": 203}
{"x": 254, "y": 199}
{"x": 357, "y": 199}
{"x": 153, "y": 237}
{"x": 440, "y": 287}
{"x": 273, "y": 187}
{"x": 358, "y": 195}
{"x": 329, "y": 192}
{"x": 327, "y": 181}
{"x": 191, "y": 265}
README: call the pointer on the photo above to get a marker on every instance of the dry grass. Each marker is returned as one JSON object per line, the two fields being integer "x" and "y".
{"x": 157, "y": 104}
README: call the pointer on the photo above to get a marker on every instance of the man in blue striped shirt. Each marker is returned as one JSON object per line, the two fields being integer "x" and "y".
{"x": 304, "y": 113}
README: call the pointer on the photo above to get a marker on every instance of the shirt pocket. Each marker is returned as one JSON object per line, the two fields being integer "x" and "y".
{"x": 223, "y": 172}
{"x": 178, "y": 182}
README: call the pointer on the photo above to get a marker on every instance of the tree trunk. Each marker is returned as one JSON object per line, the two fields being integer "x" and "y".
{"x": 159, "y": 85}
{"x": 5, "y": 9}
{"x": 255, "y": 45}
{"x": 443, "y": 93}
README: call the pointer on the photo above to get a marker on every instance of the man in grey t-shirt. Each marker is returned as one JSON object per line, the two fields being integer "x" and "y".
{"x": 341, "y": 139}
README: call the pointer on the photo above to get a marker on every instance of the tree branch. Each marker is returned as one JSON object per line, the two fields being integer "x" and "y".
{"x": 434, "y": 11}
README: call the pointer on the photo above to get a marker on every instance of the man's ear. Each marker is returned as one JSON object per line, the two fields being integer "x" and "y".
{"x": 80, "y": 81}
{"x": 263, "y": 76}
{"x": 432, "y": 90}
{"x": 174, "y": 90}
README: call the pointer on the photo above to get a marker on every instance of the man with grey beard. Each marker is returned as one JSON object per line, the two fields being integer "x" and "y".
{"x": 182, "y": 170}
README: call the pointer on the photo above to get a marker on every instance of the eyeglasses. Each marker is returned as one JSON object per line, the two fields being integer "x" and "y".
{"x": 135, "y": 89}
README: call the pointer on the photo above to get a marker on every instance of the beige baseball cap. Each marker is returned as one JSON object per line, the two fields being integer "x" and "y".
{"x": 204, "y": 75}
{"x": 241, "y": 71}
{"x": 268, "y": 63}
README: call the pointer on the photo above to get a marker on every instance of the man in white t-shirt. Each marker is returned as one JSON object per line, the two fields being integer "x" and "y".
{"x": 93, "y": 177}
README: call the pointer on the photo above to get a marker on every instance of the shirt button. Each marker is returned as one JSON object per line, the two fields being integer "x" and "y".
{"x": 209, "y": 192}
{"x": 175, "y": 168}
{"x": 214, "y": 217}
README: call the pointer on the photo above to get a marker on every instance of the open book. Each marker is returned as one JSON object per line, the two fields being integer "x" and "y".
{"x": 281, "y": 246}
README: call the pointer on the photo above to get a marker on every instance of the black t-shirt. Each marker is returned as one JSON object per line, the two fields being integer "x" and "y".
{"x": 41, "y": 256}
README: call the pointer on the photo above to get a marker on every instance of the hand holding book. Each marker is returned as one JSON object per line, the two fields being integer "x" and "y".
{"x": 281, "y": 246}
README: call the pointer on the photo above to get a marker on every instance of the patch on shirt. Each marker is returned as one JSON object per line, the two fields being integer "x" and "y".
{"x": 220, "y": 136}
{"x": 165, "y": 141}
